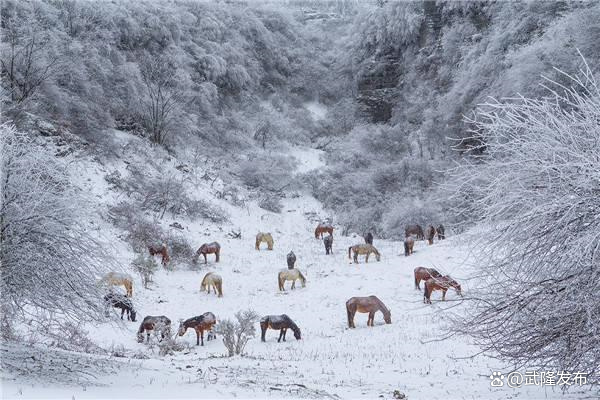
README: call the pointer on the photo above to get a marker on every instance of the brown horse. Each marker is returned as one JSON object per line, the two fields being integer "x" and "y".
{"x": 119, "y": 278}
{"x": 162, "y": 250}
{"x": 159, "y": 324}
{"x": 264, "y": 237}
{"x": 442, "y": 283}
{"x": 430, "y": 234}
{"x": 208, "y": 248}
{"x": 281, "y": 322}
{"x": 200, "y": 324}
{"x": 214, "y": 280}
{"x": 409, "y": 244}
{"x": 422, "y": 274}
{"x": 366, "y": 249}
{"x": 414, "y": 230}
{"x": 323, "y": 227}
{"x": 441, "y": 232}
{"x": 369, "y": 305}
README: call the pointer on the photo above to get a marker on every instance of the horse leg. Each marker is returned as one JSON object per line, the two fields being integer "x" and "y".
{"x": 217, "y": 254}
{"x": 205, "y": 262}
{"x": 284, "y": 332}
{"x": 202, "y": 336}
{"x": 293, "y": 284}
{"x": 444, "y": 294}
{"x": 367, "y": 258}
{"x": 355, "y": 258}
{"x": 263, "y": 331}
{"x": 351, "y": 313}
{"x": 371, "y": 319}
{"x": 417, "y": 282}
{"x": 280, "y": 335}
{"x": 122, "y": 312}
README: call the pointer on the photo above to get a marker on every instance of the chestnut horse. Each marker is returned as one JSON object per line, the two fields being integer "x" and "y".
{"x": 291, "y": 260}
{"x": 441, "y": 232}
{"x": 366, "y": 249}
{"x": 414, "y": 230}
{"x": 281, "y": 322}
{"x": 430, "y": 234}
{"x": 369, "y": 305}
{"x": 214, "y": 280}
{"x": 200, "y": 324}
{"x": 159, "y": 324}
{"x": 442, "y": 283}
{"x": 409, "y": 244}
{"x": 422, "y": 274}
{"x": 369, "y": 238}
{"x": 162, "y": 250}
{"x": 208, "y": 248}
{"x": 264, "y": 237}
{"x": 117, "y": 279}
{"x": 290, "y": 275}
{"x": 323, "y": 227}
{"x": 328, "y": 242}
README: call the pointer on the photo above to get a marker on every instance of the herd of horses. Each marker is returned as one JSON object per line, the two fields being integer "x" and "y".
{"x": 161, "y": 325}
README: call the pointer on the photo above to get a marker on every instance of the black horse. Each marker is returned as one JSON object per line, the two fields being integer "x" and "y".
{"x": 369, "y": 238}
{"x": 441, "y": 232}
{"x": 328, "y": 242}
{"x": 291, "y": 260}
{"x": 281, "y": 322}
{"x": 118, "y": 300}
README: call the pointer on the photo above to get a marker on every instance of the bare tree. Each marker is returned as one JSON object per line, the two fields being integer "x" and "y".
{"x": 236, "y": 334}
{"x": 535, "y": 189}
{"x": 263, "y": 133}
{"x": 164, "y": 96}
{"x": 49, "y": 259}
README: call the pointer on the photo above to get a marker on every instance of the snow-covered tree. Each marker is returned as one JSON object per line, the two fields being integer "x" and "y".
{"x": 534, "y": 188}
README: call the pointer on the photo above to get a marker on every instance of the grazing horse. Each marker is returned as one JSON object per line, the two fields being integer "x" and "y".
{"x": 414, "y": 230}
{"x": 430, "y": 234}
{"x": 441, "y": 232}
{"x": 264, "y": 237}
{"x": 200, "y": 324}
{"x": 162, "y": 250}
{"x": 291, "y": 260}
{"x": 363, "y": 249}
{"x": 422, "y": 274}
{"x": 441, "y": 283}
{"x": 118, "y": 279}
{"x": 214, "y": 280}
{"x": 159, "y": 324}
{"x": 208, "y": 248}
{"x": 369, "y": 305}
{"x": 328, "y": 242}
{"x": 323, "y": 227}
{"x": 409, "y": 244}
{"x": 369, "y": 238}
{"x": 281, "y": 322}
{"x": 117, "y": 300}
{"x": 290, "y": 275}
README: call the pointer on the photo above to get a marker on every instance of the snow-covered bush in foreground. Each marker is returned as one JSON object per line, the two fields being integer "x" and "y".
{"x": 49, "y": 261}
{"x": 236, "y": 334}
{"x": 536, "y": 195}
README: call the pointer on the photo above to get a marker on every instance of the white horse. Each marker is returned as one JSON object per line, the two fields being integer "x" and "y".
{"x": 214, "y": 280}
{"x": 290, "y": 275}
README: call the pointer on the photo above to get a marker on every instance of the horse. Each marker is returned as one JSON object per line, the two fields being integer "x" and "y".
{"x": 323, "y": 227}
{"x": 208, "y": 248}
{"x": 369, "y": 238}
{"x": 290, "y": 275}
{"x": 369, "y": 305}
{"x": 363, "y": 249}
{"x": 159, "y": 324}
{"x": 441, "y": 232}
{"x": 430, "y": 234}
{"x": 409, "y": 244}
{"x": 281, "y": 322}
{"x": 117, "y": 300}
{"x": 264, "y": 237}
{"x": 291, "y": 260}
{"x": 200, "y": 324}
{"x": 214, "y": 280}
{"x": 328, "y": 242}
{"x": 441, "y": 283}
{"x": 162, "y": 250}
{"x": 414, "y": 230}
{"x": 422, "y": 274}
{"x": 118, "y": 279}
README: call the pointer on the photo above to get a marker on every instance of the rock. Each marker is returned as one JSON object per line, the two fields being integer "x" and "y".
{"x": 399, "y": 395}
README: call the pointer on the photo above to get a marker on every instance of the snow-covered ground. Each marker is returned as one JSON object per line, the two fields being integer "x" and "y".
{"x": 330, "y": 360}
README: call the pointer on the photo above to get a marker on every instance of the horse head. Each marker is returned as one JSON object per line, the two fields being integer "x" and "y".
{"x": 296, "y": 332}
{"x": 132, "y": 314}
{"x": 182, "y": 329}
{"x": 387, "y": 317}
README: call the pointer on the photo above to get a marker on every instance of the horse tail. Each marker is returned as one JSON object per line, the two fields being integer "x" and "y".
{"x": 302, "y": 278}
{"x": 349, "y": 313}
{"x": 416, "y": 282}
{"x": 317, "y": 233}
{"x": 257, "y": 244}
{"x": 349, "y": 252}
{"x": 406, "y": 248}
{"x": 280, "y": 280}
{"x": 219, "y": 285}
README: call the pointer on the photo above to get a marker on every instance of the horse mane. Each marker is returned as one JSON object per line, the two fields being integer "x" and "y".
{"x": 375, "y": 250}
{"x": 383, "y": 307}
{"x": 293, "y": 325}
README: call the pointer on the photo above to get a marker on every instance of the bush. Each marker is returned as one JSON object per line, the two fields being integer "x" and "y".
{"x": 271, "y": 203}
{"x": 146, "y": 266}
{"x": 237, "y": 333}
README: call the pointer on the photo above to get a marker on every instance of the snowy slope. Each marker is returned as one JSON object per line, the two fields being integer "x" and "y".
{"x": 330, "y": 360}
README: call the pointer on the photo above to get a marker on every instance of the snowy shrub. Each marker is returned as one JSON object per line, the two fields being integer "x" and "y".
{"x": 535, "y": 200}
{"x": 237, "y": 333}
{"x": 145, "y": 266}
{"x": 180, "y": 250}
{"x": 271, "y": 203}
{"x": 270, "y": 172}
{"x": 43, "y": 236}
